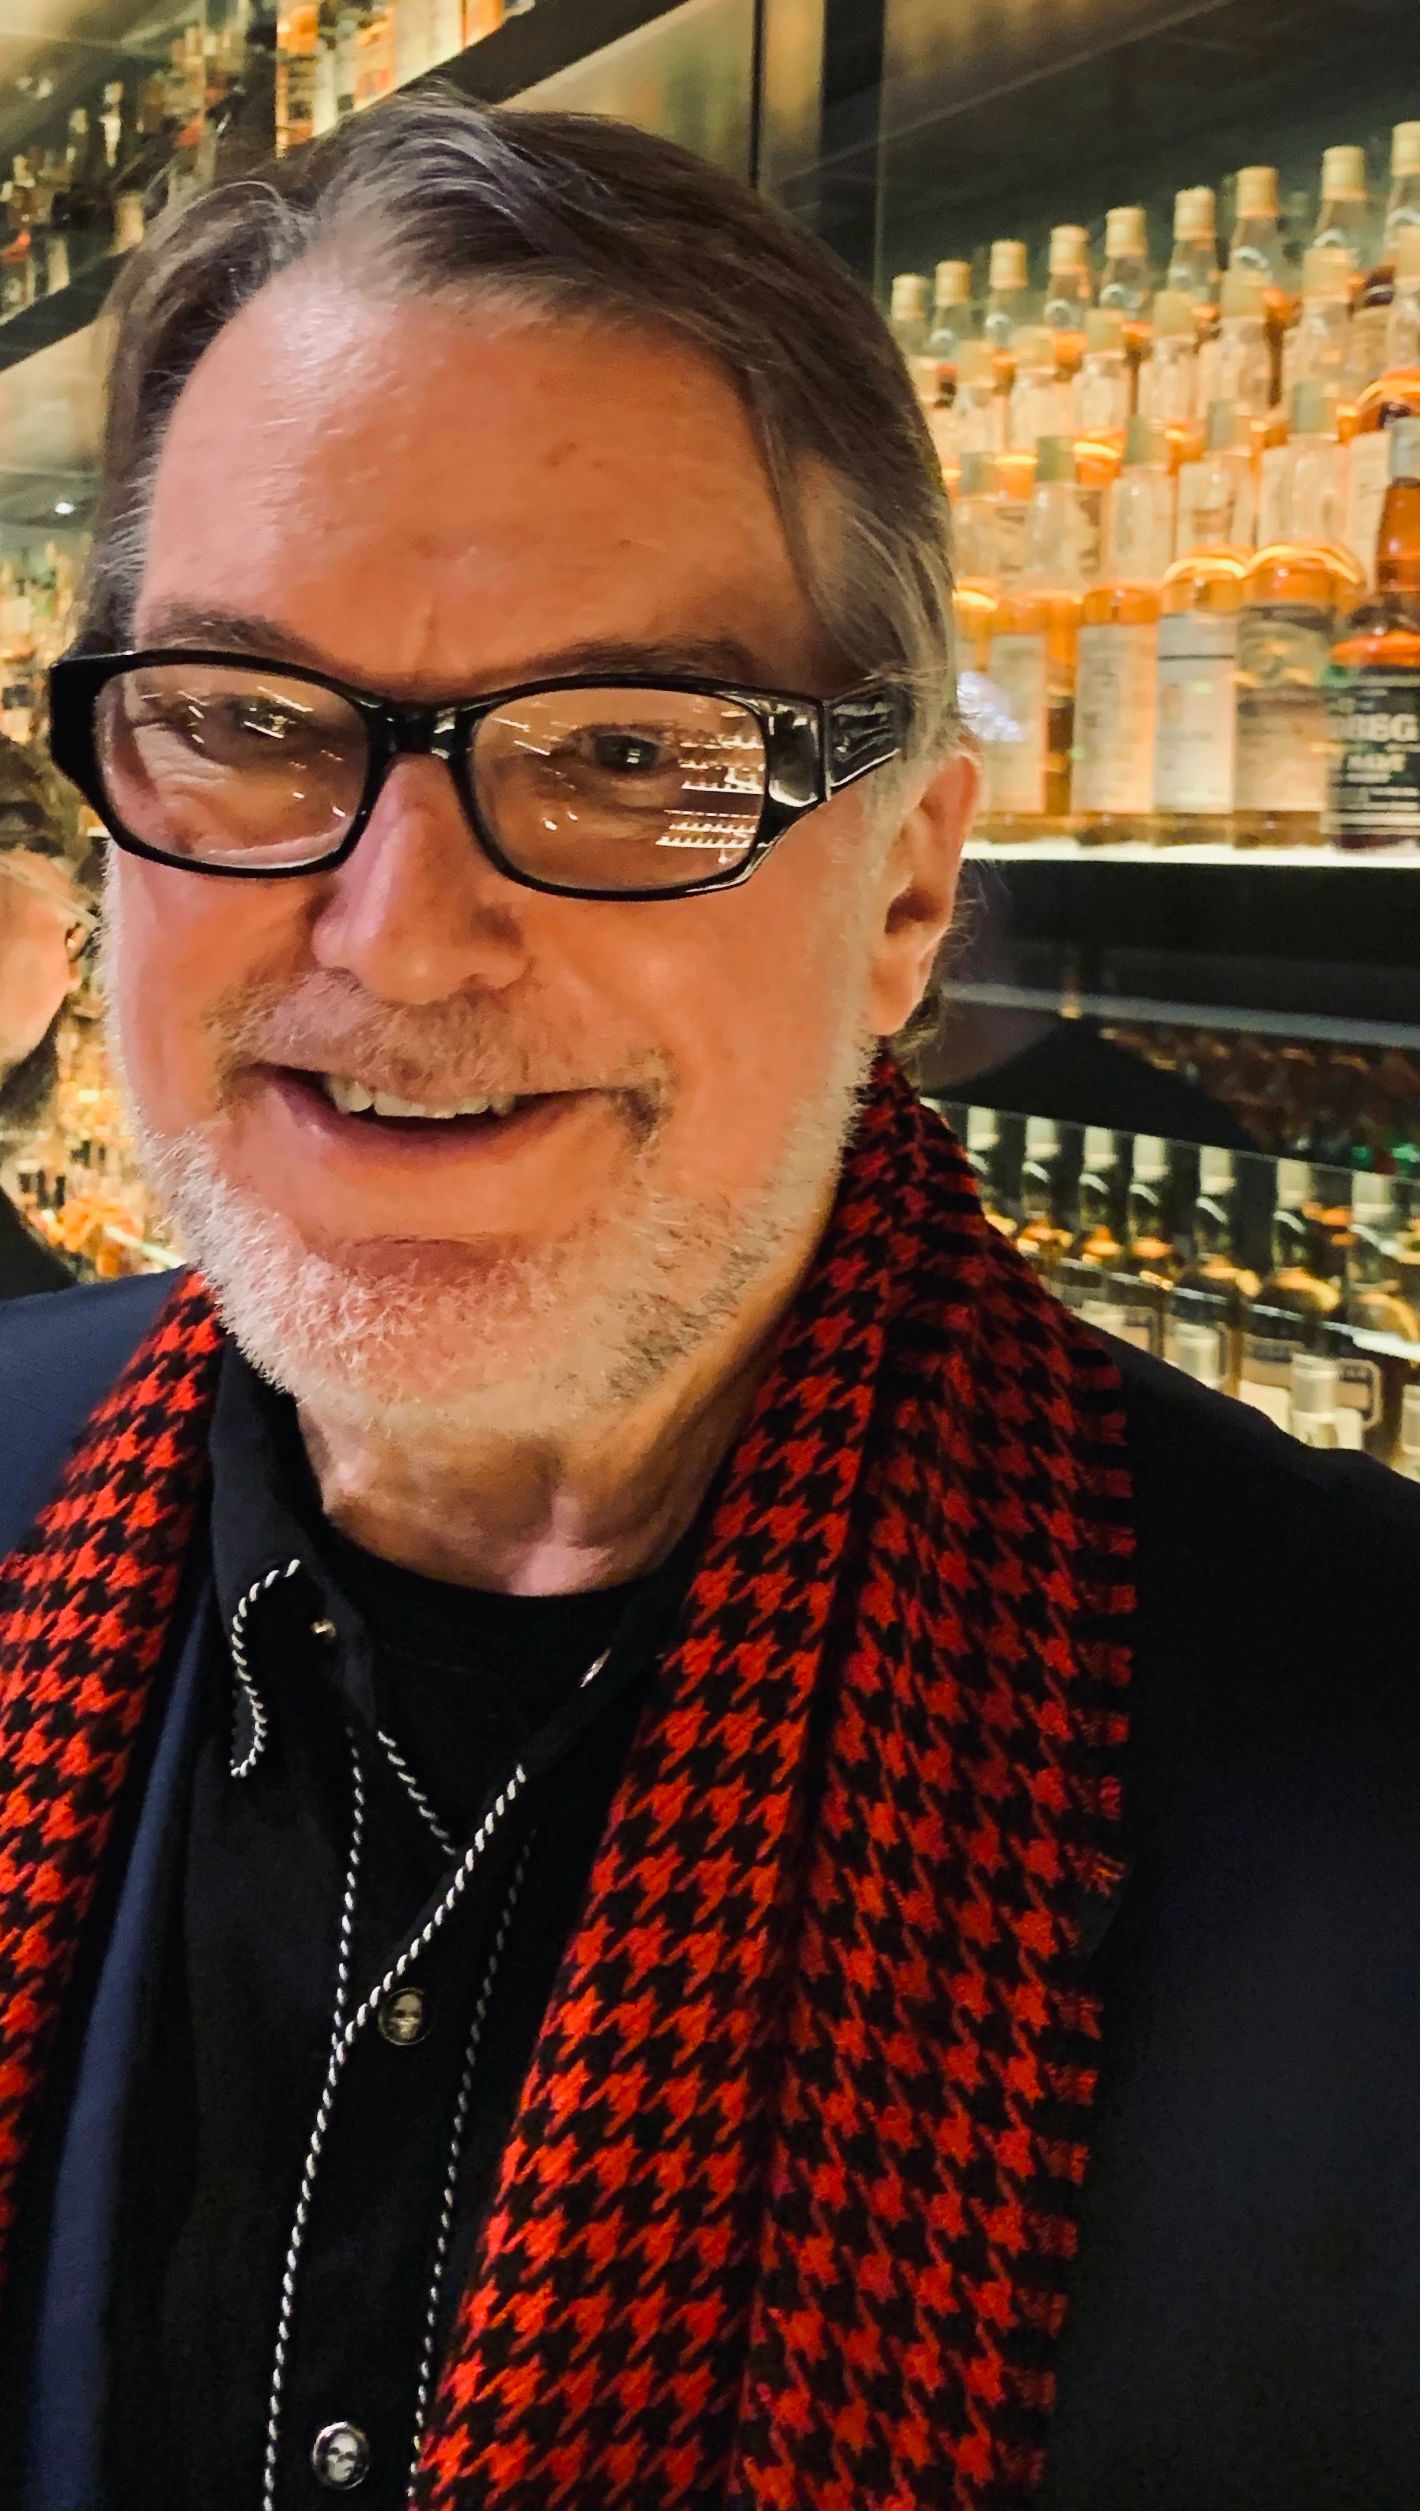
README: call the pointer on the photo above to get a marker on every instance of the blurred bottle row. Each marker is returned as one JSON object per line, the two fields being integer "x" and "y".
{"x": 239, "y": 84}
{"x": 1344, "y": 1106}
{"x": 1292, "y": 1286}
{"x": 1187, "y": 524}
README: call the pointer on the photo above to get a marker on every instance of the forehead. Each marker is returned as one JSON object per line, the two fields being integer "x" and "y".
{"x": 461, "y": 485}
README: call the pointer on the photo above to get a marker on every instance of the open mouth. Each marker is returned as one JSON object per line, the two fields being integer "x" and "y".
{"x": 386, "y": 1112}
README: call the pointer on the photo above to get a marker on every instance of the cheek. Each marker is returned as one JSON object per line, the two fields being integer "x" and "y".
{"x": 179, "y": 943}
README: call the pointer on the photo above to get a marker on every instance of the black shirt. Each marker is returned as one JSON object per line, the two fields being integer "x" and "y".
{"x": 26, "y": 1263}
{"x": 365, "y": 1919}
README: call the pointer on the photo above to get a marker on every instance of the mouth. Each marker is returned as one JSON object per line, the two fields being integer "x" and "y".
{"x": 387, "y": 1113}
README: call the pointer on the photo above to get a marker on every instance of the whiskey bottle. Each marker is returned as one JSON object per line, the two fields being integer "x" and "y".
{"x": 953, "y": 321}
{"x": 1126, "y": 283}
{"x": 1193, "y": 264}
{"x": 1391, "y": 395}
{"x": 1373, "y": 682}
{"x": 1200, "y": 601}
{"x": 1370, "y": 320}
{"x": 1168, "y": 377}
{"x": 1099, "y": 1211}
{"x": 1117, "y": 655}
{"x": 1008, "y": 296}
{"x": 978, "y": 406}
{"x": 1069, "y": 293}
{"x": 1344, "y": 218}
{"x": 1307, "y": 1258}
{"x": 1316, "y": 1414}
{"x": 1407, "y": 1449}
{"x": 1375, "y": 1298}
{"x": 1042, "y": 1235}
{"x": 1213, "y": 1263}
{"x": 1042, "y": 400}
{"x": 1033, "y": 653}
{"x": 1294, "y": 592}
{"x": 1105, "y": 390}
{"x": 909, "y": 313}
{"x": 1236, "y": 364}
{"x": 984, "y": 1153}
{"x": 1318, "y": 351}
{"x": 1257, "y": 243}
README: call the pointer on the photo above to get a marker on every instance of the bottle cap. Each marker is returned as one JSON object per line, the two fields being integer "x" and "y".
{"x": 976, "y": 363}
{"x": 952, "y": 283}
{"x": 1242, "y": 292}
{"x": 1343, "y": 174}
{"x": 1196, "y": 1352}
{"x": 1173, "y": 315}
{"x": 1195, "y": 213}
{"x": 1070, "y": 246}
{"x": 1310, "y": 408}
{"x": 983, "y": 1129}
{"x": 1008, "y": 263}
{"x": 1151, "y": 1159}
{"x": 1104, "y": 329}
{"x": 1405, "y": 148}
{"x": 1126, "y": 234}
{"x": 1326, "y": 271}
{"x": 1405, "y": 449}
{"x": 1372, "y": 1197}
{"x": 1142, "y": 443}
{"x": 1314, "y": 1383}
{"x": 910, "y": 294}
{"x": 1410, "y": 1421}
{"x": 1407, "y": 253}
{"x": 978, "y": 475}
{"x": 1257, "y": 192}
{"x": 1294, "y": 1183}
{"x": 1034, "y": 346}
{"x": 1042, "y": 1138}
{"x": 1215, "y": 1167}
{"x": 1099, "y": 1148}
{"x": 1054, "y": 458}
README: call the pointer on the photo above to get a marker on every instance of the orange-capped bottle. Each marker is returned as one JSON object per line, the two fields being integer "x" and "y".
{"x": 1373, "y": 685}
{"x": 1033, "y": 653}
{"x": 1200, "y": 599}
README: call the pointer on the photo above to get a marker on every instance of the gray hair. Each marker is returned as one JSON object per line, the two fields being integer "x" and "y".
{"x": 429, "y": 195}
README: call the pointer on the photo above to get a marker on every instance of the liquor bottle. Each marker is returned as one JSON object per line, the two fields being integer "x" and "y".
{"x": 297, "y": 38}
{"x": 1344, "y": 218}
{"x": 1373, "y": 685}
{"x": 1200, "y": 599}
{"x": 1215, "y": 492}
{"x": 1008, "y": 296}
{"x": 1294, "y": 592}
{"x": 1369, "y": 327}
{"x": 1126, "y": 283}
{"x": 1391, "y": 395}
{"x": 1213, "y": 1263}
{"x": 1104, "y": 397}
{"x": 1316, "y": 1414}
{"x": 1407, "y": 1450}
{"x": 1098, "y": 1240}
{"x": 1069, "y": 291}
{"x": 976, "y": 590}
{"x": 1042, "y": 399}
{"x": 1117, "y": 667}
{"x": 1042, "y": 1236}
{"x": 1305, "y": 1278}
{"x": 978, "y": 405}
{"x": 1168, "y": 377}
{"x": 1257, "y": 243}
{"x": 983, "y": 1151}
{"x": 1236, "y": 364}
{"x": 909, "y": 313}
{"x": 1375, "y": 1298}
{"x": 1193, "y": 264}
{"x": 1318, "y": 350}
{"x": 1198, "y": 1348}
{"x": 953, "y": 317}
{"x": 1033, "y": 653}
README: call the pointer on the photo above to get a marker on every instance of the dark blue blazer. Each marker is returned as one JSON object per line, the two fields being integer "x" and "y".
{"x": 1244, "y": 2330}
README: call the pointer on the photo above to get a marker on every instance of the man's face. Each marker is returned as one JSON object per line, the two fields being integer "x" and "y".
{"x": 435, "y": 501}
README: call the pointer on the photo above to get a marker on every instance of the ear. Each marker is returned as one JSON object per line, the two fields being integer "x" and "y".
{"x": 918, "y": 891}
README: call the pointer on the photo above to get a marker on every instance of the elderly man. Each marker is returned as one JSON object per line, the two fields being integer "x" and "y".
{"x": 662, "y": 1841}
{"x": 44, "y": 924}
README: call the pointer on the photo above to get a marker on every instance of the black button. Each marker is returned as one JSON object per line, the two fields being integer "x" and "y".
{"x": 340, "y": 2456}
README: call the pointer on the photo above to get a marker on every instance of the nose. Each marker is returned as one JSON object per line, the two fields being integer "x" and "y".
{"x": 418, "y": 912}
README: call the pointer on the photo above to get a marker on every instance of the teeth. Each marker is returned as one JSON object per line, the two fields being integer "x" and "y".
{"x": 353, "y": 1099}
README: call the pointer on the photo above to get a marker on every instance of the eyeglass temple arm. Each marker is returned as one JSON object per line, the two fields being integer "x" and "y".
{"x": 861, "y": 731}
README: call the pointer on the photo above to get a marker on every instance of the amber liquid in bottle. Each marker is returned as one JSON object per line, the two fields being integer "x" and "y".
{"x": 1374, "y": 696}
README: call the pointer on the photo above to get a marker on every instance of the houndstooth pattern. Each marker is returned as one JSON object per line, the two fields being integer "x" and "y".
{"x": 786, "y": 2216}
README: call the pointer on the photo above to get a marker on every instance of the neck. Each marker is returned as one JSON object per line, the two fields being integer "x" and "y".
{"x": 539, "y": 1517}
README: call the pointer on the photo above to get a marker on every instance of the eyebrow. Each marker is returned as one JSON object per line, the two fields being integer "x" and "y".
{"x": 182, "y": 623}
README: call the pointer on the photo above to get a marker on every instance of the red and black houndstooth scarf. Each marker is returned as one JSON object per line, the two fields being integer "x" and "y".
{"x": 785, "y": 2220}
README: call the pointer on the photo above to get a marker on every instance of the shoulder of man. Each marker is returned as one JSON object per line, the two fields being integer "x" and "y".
{"x": 1274, "y": 1581}
{"x": 60, "y": 1352}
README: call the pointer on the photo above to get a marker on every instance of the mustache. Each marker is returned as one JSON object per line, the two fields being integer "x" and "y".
{"x": 465, "y": 1045}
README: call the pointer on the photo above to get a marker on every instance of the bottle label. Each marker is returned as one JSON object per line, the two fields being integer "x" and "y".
{"x": 1114, "y": 721}
{"x": 1283, "y": 650}
{"x": 1017, "y": 757}
{"x": 1373, "y": 797}
{"x": 1265, "y": 1364}
{"x": 1193, "y": 751}
{"x": 1368, "y": 476}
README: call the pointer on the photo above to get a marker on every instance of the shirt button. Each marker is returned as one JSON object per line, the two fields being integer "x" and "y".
{"x": 340, "y": 2456}
{"x": 404, "y": 2017}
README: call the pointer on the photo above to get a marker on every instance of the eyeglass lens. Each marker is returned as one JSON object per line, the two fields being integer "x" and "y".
{"x": 604, "y": 789}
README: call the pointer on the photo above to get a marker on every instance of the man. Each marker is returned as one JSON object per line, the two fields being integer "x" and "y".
{"x": 662, "y": 1841}
{"x": 44, "y": 924}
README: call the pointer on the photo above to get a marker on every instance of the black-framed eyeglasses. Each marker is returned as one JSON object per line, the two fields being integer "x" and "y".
{"x": 588, "y": 788}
